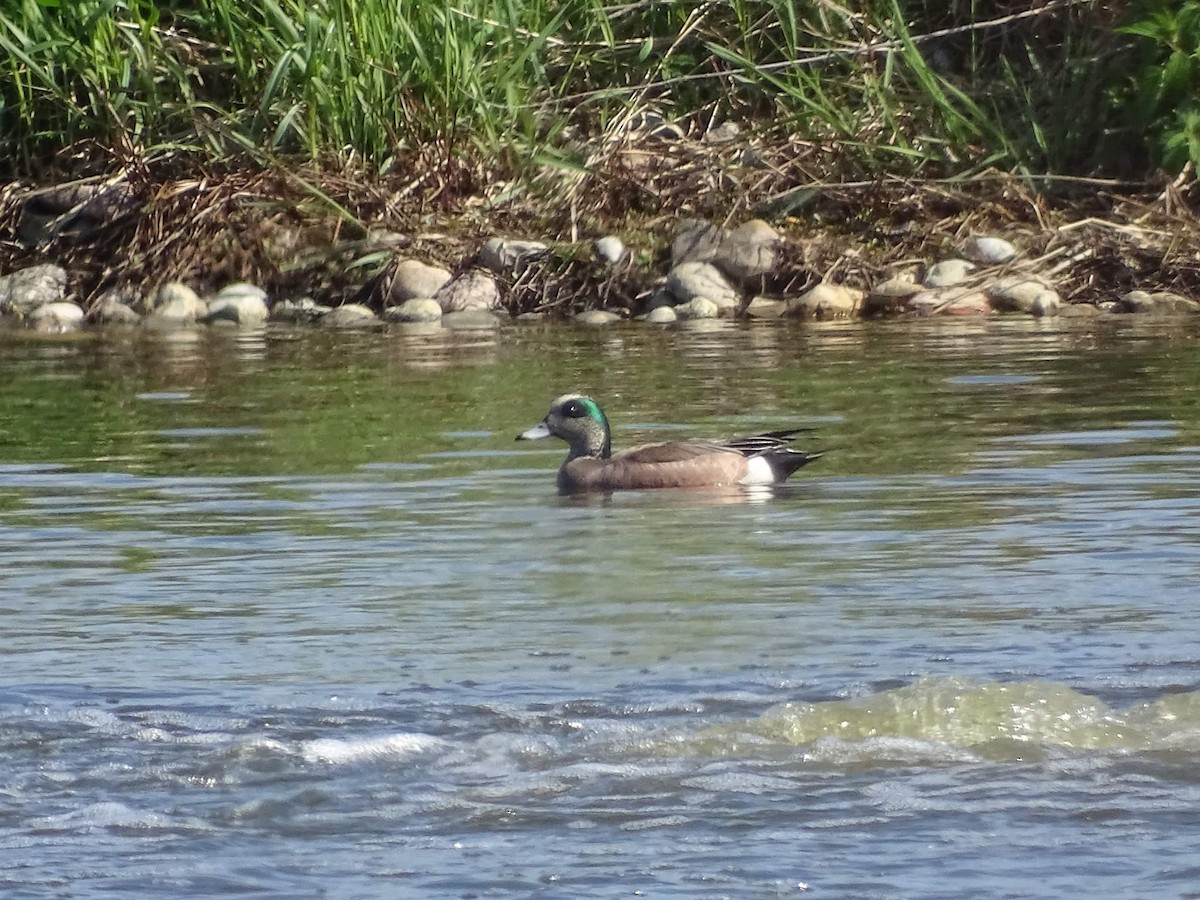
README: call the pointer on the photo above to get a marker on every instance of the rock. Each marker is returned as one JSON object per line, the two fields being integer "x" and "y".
{"x": 298, "y": 312}
{"x": 58, "y": 316}
{"x": 1079, "y": 311}
{"x": 239, "y": 304}
{"x": 826, "y": 301}
{"x": 175, "y": 302}
{"x": 610, "y": 249}
{"x": 967, "y": 303}
{"x": 471, "y": 320}
{"x": 698, "y": 308}
{"x": 1158, "y": 303}
{"x": 890, "y": 296}
{"x": 473, "y": 289}
{"x": 661, "y": 315}
{"x": 26, "y": 289}
{"x": 948, "y": 272}
{"x": 412, "y": 278}
{"x": 690, "y": 280}
{"x": 418, "y": 309}
{"x": 595, "y": 317}
{"x": 505, "y": 256}
{"x": 350, "y": 315}
{"x": 749, "y": 251}
{"x": 722, "y": 134}
{"x": 109, "y": 310}
{"x": 695, "y": 241}
{"x": 1024, "y": 294}
{"x": 765, "y": 308}
{"x": 988, "y": 251}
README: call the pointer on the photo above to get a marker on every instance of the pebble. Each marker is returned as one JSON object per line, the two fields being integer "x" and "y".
{"x": 239, "y": 304}
{"x": 749, "y": 251}
{"x": 109, "y": 310}
{"x": 595, "y": 317}
{"x": 175, "y": 302}
{"x": 698, "y": 308}
{"x": 26, "y": 289}
{"x": 505, "y": 256}
{"x": 826, "y": 301}
{"x": 610, "y": 249}
{"x": 473, "y": 289}
{"x": 412, "y": 278}
{"x": 60, "y": 315}
{"x": 471, "y": 320}
{"x": 350, "y": 315}
{"x": 987, "y": 250}
{"x": 1030, "y": 295}
{"x": 948, "y": 272}
{"x": 690, "y": 280}
{"x": 661, "y": 315}
{"x": 418, "y": 309}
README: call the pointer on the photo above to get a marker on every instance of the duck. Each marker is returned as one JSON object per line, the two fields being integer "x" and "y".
{"x": 759, "y": 460}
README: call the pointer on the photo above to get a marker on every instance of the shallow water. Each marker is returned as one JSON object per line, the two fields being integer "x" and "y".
{"x": 291, "y": 615}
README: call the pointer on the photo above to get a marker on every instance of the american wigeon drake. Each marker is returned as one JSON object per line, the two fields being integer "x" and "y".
{"x": 592, "y": 466}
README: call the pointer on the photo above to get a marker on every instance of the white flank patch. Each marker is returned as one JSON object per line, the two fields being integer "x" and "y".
{"x": 758, "y": 471}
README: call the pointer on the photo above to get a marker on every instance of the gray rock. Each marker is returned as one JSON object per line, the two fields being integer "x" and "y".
{"x": 473, "y": 289}
{"x": 826, "y": 301}
{"x": 950, "y": 301}
{"x": 723, "y": 133}
{"x": 695, "y": 241}
{"x": 58, "y": 316}
{"x": 947, "y": 273}
{"x": 595, "y": 317}
{"x": 471, "y": 320}
{"x": 505, "y": 256}
{"x": 109, "y": 310}
{"x": 350, "y": 315}
{"x": 239, "y": 304}
{"x": 698, "y": 308}
{"x": 1158, "y": 303}
{"x": 749, "y": 251}
{"x": 661, "y": 315}
{"x": 610, "y": 249}
{"x": 176, "y": 302}
{"x": 413, "y": 279}
{"x": 298, "y": 312}
{"x": 765, "y": 308}
{"x": 690, "y": 280}
{"x": 418, "y": 309}
{"x": 1079, "y": 311}
{"x": 988, "y": 251}
{"x": 25, "y": 290}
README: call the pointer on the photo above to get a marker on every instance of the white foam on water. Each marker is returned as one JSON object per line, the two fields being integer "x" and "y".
{"x": 335, "y": 751}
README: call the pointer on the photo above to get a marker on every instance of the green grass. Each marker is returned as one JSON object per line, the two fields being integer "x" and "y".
{"x": 507, "y": 86}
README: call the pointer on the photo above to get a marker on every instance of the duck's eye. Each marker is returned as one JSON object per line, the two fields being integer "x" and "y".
{"x": 574, "y": 410}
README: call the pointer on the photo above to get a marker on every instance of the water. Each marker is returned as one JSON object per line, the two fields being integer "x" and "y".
{"x": 291, "y": 615}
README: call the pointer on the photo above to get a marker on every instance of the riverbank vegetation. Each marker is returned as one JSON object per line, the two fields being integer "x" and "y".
{"x": 568, "y": 118}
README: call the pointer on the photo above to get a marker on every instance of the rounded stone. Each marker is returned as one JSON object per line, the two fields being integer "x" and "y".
{"x": 890, "y": 296}
{"x": 749, "y": 251}
{"x": 298, "y": 312}
{"x": 239, "y": 304}
{"x": 351, "y": 315}
{"x": 690, "y": 280}
{"x": 698, "y": 308}
{"x": 412, "y": 279}
{"x": 503, "y": 256}
{"x": 471, "y": 320}
{"x": 609, "y": 249}
{"x": 948, "y": 272}
{"x": 111, "y": 311}
{"x": 765, "y": 308}
{"x": 695, "y": 241}
{"x": 1029, "y": 295}
{"x": 60, "y": 315}
{"x": 471, "y": 290}
{"x": 661, "y": 315}
{"x": 826, "y": 301}
{"x": 27, "y": 289}
{"x": 987, "y": 250}
{"x": 418, "y": 309}
{"x": 595, "y": 317}
{"x": 1158, "y": 302}
{"x": 176, "y": 302}
{"x": 967, "y": 303}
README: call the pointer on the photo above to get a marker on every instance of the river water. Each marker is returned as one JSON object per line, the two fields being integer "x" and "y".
{"x": 292, "y": 615}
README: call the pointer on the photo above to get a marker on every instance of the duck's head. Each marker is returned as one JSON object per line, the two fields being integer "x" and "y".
{"x": 580, "y": 422}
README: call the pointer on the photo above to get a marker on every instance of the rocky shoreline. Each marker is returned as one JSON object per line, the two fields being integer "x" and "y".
{"x": 751, "y": 271}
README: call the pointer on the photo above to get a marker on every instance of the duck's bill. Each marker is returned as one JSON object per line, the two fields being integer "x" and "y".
{"x": 537, "y": 431}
